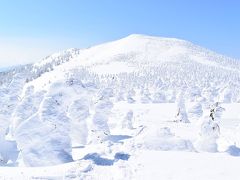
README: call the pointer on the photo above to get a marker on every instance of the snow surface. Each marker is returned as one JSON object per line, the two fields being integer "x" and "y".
{"x": 140, "y": 107}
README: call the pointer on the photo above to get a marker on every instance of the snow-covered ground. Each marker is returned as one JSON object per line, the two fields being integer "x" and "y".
{"x": 146, "y": 151}
{"x": 138, "y": 108}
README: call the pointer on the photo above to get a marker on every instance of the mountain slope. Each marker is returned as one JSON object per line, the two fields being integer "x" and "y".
{"x": 146, "y": 49}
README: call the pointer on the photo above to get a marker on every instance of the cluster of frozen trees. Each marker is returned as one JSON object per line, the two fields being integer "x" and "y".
{"x": 166, "y": 80}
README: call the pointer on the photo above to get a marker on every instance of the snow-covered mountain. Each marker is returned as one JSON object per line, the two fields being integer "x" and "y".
{"x": 81, "y": 99}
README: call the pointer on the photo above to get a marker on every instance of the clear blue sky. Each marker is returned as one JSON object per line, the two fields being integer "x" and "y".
{"x": 32, "y": 29}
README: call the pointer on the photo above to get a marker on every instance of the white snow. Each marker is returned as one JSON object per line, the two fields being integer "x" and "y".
{"x": 140, "y": 107}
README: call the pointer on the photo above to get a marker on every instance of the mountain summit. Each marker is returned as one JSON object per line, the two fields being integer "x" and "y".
{"x": 153, "y": 49}
{"x": 139, "y": 49}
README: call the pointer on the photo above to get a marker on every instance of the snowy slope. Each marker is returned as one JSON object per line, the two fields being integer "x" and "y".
{"x": 100, "y": 108}
{"x": 154, "y": 50}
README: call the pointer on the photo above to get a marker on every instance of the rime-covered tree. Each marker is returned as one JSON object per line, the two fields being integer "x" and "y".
{"x": 210, "y": 129}
{"x": 181, "y": 115}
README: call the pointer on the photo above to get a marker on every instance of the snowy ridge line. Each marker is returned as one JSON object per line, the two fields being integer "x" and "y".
{"x": 49, "y": 63}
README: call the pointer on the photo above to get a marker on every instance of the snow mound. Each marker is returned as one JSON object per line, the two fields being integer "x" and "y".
{"x": 163, "y": 139}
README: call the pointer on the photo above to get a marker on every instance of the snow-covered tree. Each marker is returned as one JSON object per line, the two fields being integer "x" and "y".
{"x": 130, "y": 96}
{"x": 195, "y": 111}
{"x": 181, "y": 115}
{"x": 145, "y": 96}
{"x": 100, "y": 129}
{"x": 127, "y": 122}
{"x": 49, "y": 142}
{"x": 159, "y": 97}
{"x": 120, "y": 96}
{"x": 79, "y": 112}
{"x": 216, "y": 111}
{"x": 210, "y": 129}
{"x": 225, "y": 95}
